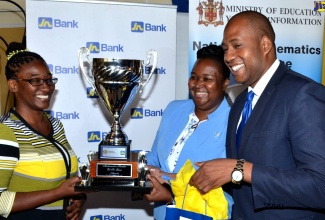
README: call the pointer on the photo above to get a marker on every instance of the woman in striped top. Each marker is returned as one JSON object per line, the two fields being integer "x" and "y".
{"x": 38, "y": 167}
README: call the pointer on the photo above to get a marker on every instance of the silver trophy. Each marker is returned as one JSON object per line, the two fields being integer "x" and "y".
{"x": 116, "y": 81}
{"x": 84, "y": 170}
{"x": 142, "y": 168}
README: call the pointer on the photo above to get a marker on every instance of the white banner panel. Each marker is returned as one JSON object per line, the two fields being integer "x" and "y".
{"x": 298, "y": 28}
{"x": 57, "y": 29}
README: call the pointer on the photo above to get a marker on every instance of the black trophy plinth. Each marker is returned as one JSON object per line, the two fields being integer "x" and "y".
{"x": 104, "y": 185}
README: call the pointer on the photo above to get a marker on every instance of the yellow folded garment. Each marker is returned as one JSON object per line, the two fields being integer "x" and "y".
{"x": 213, "y": 203}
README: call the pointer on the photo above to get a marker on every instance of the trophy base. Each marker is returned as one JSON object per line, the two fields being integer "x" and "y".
{"x": 114, "y": 182}
{"x": 117, "y": 175}
{"x": 107, "y": 151}
{"x": 98, "y": 188}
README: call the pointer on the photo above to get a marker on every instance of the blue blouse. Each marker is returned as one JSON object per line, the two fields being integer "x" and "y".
{"x": 206, "y": 143}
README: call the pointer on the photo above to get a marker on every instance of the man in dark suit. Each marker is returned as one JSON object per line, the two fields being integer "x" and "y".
{"x": 276, "y": 170}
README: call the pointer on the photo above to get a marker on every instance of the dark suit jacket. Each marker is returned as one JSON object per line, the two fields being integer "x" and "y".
{"x": 284, "y": 138}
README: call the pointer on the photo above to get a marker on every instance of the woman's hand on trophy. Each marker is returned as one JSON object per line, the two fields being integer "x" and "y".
{"x": 157, "y": 173}
{"x": 160, "y": 192}
{"x": 67, "y": 187}
{"x": 163, "y": 177}
{"x": 75, "y": 207}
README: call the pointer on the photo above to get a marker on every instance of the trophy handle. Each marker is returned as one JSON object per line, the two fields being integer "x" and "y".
{"x": 90, "y": 80}
{"x": 150, "y": 53}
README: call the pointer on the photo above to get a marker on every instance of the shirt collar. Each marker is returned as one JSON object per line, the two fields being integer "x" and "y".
{"x": 261, "y": 84}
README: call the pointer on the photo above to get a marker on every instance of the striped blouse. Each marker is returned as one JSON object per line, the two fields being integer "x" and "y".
{"x": 30, "y": 161}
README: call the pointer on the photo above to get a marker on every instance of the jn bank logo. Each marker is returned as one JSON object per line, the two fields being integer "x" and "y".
{"x": 94, "y": 47}
{"x": 319, "y": 6}
{"x": 136, "y": 113}
{"x": 93, "y": 136}
{"x": 108, "y": 217}
{"x": 49, "y": 113}
{"x": 45, "y": 23}
{"x": 96, "y": 217}
{"x": 50, "y": 68}
{"x": 49, "y": 23}
{"x": 137, "y": 26}
{"x": 91, "y": 93}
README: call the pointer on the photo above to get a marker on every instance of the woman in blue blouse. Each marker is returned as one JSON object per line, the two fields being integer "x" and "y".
{"x": 192, "y": 129}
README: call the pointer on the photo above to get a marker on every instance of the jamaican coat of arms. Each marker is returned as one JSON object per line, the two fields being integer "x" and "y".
{"x": 210, "y": 13}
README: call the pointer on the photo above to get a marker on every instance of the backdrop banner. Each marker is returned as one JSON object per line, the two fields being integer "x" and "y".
{"x": 57, "y": 30}
{"x": 298, "y": 27}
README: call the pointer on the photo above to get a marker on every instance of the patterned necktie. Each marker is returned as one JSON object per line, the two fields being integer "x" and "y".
{"x": 245, "y": 115}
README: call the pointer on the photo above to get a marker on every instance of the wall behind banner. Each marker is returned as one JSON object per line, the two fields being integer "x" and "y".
{"x": 57, "y": 29}
{"x": 298, "y": 28}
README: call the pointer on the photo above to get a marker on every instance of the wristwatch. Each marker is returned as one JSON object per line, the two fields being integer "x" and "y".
{"x": 237, "y": 174}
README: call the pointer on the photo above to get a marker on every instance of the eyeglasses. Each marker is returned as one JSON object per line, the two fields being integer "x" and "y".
{"x": 39, "y": 81}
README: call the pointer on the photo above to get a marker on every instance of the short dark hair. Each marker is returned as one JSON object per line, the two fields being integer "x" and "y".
{"x": 19, "y": 56}
{"x": 259, "y": 22}
{"x": 216, "y": 54}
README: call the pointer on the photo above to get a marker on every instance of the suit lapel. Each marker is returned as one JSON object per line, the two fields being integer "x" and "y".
{"x": 233, "y": 122}
{"x": 261, "y": 106}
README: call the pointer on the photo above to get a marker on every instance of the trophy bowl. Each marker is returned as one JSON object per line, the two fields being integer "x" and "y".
{"x": 117, "y": 82}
